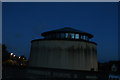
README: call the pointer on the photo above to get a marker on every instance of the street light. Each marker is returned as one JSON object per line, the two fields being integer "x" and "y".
{"x": 19, "y": 57}
{"x": 11, "y": 54}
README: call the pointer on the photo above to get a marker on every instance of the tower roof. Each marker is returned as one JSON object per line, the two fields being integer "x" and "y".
{"x": 67, "y": 30}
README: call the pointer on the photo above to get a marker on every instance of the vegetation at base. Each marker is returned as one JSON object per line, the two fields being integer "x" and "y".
{"x": 11, "y": 59}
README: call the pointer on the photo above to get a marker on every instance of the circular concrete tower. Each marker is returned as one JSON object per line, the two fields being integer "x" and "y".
{"x": 65, "y": 48}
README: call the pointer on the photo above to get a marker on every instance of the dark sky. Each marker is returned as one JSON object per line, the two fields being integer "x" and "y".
{"x": 23, "y": 22}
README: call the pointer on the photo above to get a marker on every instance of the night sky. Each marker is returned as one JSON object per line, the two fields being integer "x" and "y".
{"x": 23, "y": 22}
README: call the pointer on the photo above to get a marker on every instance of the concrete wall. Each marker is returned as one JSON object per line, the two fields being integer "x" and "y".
{"x": 63, "y": 54}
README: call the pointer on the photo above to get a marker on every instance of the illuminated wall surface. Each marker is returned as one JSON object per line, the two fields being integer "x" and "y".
{"x": 73, "y": 54}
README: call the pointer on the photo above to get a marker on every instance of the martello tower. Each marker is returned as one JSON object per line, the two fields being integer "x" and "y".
{"x": 65, "y": 48}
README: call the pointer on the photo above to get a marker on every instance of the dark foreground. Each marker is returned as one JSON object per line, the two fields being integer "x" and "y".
{"x": 15, "y": 73}
{"x": 21, "y": 73}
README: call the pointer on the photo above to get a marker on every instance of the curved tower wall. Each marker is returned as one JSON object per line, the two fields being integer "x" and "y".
{"x": 63, "y": 54}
